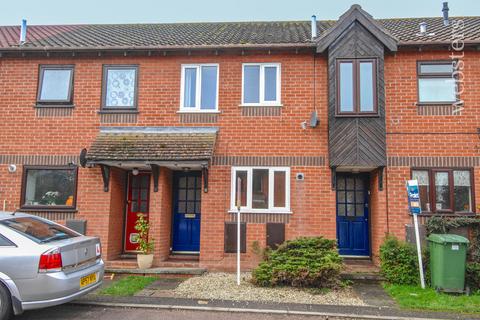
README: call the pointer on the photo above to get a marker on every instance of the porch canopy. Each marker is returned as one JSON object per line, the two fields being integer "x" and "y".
{"x": 144, "y": 148}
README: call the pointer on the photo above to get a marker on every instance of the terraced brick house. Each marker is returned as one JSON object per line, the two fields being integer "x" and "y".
{"x": 323, "y": 121}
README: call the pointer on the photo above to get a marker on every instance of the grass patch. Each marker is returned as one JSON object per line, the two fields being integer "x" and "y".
{"x": 412, "y": 297}
{"x": 127, "y": 286}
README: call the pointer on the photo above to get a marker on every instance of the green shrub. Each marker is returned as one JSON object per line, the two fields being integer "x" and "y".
{"x": 303, "y": 262}
{"x": 399, "y": 262}
{"x": 473, "y": 276}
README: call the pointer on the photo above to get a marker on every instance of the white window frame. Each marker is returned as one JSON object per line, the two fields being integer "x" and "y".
{"x": 262, "y": 101}
{"x": 198, "y": 89}
{"x": 271, "y": 208}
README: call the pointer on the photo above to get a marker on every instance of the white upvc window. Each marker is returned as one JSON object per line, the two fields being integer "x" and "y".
{"x": 261, "y": 84}
{"x": 262, "y": 189}
{"x": 199, "y": 88}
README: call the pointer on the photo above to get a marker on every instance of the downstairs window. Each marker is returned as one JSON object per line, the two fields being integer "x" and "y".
{"x": 445, "y": 190}
{"x": 261, "y": 189}
{"x": 49, "y": 188}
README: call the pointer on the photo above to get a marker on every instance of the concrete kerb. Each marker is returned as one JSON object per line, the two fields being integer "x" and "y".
{"x": 325, "y": 315}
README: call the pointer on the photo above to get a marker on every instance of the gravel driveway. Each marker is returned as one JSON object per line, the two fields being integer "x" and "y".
{"x": 223, "y": 286}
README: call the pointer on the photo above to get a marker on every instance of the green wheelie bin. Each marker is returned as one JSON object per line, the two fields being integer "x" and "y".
{"x": 448, "y": 255}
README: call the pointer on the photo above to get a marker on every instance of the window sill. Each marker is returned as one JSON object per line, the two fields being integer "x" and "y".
{"x": 60, "y": 106}
{"x": 277, "y": 105}
{"x": 118, "y": 111}
{"x": 435, "y": 103}
{"x": 357, "y": 115}
{"x": 447, "y": 214}
{"x": 43, "y": 209}
{"x": 199, "y": 111}
{"x": 260, "y": 211}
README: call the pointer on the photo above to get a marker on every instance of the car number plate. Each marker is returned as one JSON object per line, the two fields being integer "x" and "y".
{"x": 87, "y": 280}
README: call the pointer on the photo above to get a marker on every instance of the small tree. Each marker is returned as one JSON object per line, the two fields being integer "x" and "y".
{"x": 142, "y": 226}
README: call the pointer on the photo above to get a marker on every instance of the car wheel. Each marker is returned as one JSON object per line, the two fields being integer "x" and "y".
{"x": 5, "y": 303}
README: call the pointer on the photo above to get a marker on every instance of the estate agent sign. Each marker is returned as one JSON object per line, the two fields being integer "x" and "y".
{"x": 415, "y": 210}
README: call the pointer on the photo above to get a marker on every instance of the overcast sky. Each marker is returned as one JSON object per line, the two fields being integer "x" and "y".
{"x": 138, "y": 11}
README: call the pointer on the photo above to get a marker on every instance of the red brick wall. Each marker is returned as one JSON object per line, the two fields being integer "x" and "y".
{"x": 116, "y": 214}
{"x": 10, "y": 188}
{"x": 401, "y": 111}
{"x": 160, "y": 213}
{"x": 215, "y": 204}
{"x": 103, "y": 211}
{"x": 159, "y": 96}
{"x": 312, "y": 200}
{"x": 378, "y": 217}
{"x": 410, "y": 134}
{"x": 312, "y": 206}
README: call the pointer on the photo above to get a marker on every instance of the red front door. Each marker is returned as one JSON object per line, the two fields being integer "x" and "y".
{"x": 137, "y": 202}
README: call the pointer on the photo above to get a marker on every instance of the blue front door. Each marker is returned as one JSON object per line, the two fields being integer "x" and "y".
{"x": 352, "y": 214}
{"x": 187, "y": 188}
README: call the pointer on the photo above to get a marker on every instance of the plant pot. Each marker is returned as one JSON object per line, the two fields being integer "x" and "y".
{"x": 144, "y": 261}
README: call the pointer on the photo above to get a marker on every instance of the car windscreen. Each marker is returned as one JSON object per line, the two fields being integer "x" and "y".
{"x": 38, "y": 230}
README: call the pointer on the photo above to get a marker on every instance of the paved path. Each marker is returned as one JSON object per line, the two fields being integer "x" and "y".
{"x": 373, "y": 294}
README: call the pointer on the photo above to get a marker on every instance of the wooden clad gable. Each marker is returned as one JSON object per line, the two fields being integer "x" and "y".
{"x": 357, "y": 140}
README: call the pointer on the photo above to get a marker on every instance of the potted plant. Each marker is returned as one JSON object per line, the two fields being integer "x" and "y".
{"x": 145, "y": 247}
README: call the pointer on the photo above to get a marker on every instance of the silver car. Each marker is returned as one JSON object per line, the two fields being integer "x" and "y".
{"x": 44, "y": 264}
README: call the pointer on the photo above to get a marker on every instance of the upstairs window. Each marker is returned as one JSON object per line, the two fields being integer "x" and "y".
{"x": 262, "y": 189}
{"x": 199, "y": 91}
{"x": 261, "y": 84}
{"x": 356, "y": 87}
{"x": 55, "y": 85}
{"x": 445, "y": 190}
{"x": 436, "y": 83}
{"x": 120, "y": 87}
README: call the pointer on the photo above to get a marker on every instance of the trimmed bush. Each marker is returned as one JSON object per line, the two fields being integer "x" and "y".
{"x": 399, "y": 262}
{"x": 303, "y": 262}
{"x": 473, "y": 276}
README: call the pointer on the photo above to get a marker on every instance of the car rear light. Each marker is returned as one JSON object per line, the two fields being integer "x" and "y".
{"x": 98, "y": 250}
{"x": 50, "y": 261}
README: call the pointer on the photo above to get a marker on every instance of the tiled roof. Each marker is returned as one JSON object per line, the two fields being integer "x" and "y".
{"x": 228, "y": 34}
{"x": 152, "y": 144}
{"x": 407, "y": 30}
